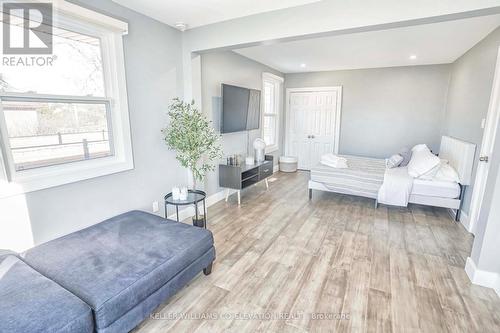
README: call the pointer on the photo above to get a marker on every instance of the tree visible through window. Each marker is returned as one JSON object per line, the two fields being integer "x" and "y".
{"x": 77, "y": 69}
{"x": 58, "y": 114}
{"x": 63, "y": 116}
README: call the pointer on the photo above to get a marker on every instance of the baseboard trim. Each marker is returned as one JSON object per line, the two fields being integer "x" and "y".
{"x": 215, "y": 198}
{"x": 464, "y": 218}
{"x": 210, "y": 201}
{"x": 183, "y": 214}
{"x": 482, "y": 278}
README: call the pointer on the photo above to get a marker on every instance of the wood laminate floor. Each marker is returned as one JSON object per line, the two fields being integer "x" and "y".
{"x": 333, "y": 264}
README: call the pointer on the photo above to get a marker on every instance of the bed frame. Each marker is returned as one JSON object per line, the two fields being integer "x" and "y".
{"x": 460, "y": 155}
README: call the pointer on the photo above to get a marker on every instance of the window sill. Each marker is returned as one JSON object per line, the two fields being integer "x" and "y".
{"x": 62, "y": 175}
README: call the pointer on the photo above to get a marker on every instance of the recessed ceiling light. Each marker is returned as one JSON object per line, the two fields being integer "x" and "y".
{"x": 181, "y": 26}
{"x": 303, "y": 65}
{"x": 413, "y": 57}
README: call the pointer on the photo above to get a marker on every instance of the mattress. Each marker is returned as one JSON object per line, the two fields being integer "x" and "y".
{"x": 363, "y": 177}
{"x": 433, "y": 188}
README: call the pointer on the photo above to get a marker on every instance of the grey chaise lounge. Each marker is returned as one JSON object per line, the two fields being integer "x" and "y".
{"x": 124, "y": 267}
{"x": 29, "y": 302}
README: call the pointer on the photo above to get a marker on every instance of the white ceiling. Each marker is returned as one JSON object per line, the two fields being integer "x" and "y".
{"x": 436, "y": 43}
{"x": 196, "y": 13}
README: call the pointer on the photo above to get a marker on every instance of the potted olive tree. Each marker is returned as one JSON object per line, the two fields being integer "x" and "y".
{"x": 193, "y": 138}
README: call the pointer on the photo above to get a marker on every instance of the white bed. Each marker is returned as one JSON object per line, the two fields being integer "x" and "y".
{"x": 369, "y": 174}
{"x": 435, "y": 188}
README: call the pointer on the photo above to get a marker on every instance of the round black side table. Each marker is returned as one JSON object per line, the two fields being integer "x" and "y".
{"x": 194, "y": 198}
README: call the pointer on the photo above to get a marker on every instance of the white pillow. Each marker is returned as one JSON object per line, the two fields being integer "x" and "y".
{"x": 394, "y": 161}
{"x": 447, "y": 173}
{"x": 422, "y": 161}
{"x": 420, "y": 147}
{"x": 431, "y": 174}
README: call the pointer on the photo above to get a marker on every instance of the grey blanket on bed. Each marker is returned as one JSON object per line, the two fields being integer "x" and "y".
{"x": 363, "y": 177}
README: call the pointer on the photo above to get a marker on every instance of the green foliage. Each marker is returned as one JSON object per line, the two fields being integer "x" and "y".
{"x": 192, "y": 136}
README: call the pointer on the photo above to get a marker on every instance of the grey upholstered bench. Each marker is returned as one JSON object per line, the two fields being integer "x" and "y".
{"x": 124, "y": 267}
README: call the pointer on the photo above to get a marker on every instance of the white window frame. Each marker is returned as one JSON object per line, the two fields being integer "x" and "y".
{"x": 277, "y": 81}
{"x": 110, "y": 31}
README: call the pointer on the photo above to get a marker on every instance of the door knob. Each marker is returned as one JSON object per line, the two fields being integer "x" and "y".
{"x": 484, "y": 159}
{"x": 312, "y": 136}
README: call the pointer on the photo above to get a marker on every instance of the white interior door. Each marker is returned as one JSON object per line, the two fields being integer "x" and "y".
{"x": 313, "y": 125}
{"x": 487, "y": 147}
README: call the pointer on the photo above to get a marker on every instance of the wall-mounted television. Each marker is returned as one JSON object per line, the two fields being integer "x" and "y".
{"x": 240, "y": 109}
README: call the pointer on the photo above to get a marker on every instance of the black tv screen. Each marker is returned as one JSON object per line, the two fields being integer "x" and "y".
{"x": 240, "y": 109}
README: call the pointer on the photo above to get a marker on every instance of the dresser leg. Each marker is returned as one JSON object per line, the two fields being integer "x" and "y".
{"x": 227, "y": 194}
{"x": 267, "y": 184}
{"x": 239, "y": 198}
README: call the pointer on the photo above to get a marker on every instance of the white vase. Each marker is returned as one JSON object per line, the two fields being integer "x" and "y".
{"x": 176, "y": 193}
{"x": 183, "y": 193}
{"x": 191, "y": 181}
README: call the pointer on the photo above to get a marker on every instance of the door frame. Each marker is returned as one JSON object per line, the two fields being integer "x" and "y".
{"x": 338, "y": 118}
{"x": 487, "y": 145}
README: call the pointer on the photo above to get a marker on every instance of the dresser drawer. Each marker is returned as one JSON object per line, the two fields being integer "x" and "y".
{"x": 266, "y": 170}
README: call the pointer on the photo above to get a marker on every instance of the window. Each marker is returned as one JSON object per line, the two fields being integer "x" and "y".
{"x": 64, "y": 116}
{"x": 271, "y": 115}
{"x": 50, "y": 133}
{"x": 77, "y": 68}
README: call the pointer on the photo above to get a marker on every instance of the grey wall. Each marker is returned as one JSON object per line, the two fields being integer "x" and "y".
{"x": 385, "y": 109}
{"x": 470, "y": 90}
{"x": 485, "y": 250}
{"x": 154, "y": 77}
{"x": 469, "y": 95}
{"x": 229, "y": 67}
